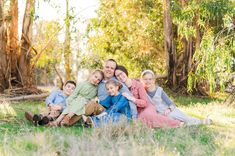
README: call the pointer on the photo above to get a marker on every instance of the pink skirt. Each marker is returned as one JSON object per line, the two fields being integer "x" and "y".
{"x": 149, "y": 116}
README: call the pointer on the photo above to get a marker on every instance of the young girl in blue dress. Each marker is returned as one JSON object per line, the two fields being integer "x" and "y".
{"x": 116, "y": 106}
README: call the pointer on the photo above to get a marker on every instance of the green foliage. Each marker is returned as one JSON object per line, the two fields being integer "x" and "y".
{"x": 213, "y": 61}
{"x": 130, "y": 32}
{"x": 49, "y": 49}
{"x": 47, "y": 32}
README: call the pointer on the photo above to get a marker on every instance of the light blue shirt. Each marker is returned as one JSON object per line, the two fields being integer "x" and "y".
{"x": 103, "y": 94}
{"x": 57, "y": 97}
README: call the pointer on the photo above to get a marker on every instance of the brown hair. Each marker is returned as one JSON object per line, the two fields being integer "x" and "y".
{"x": 114, "y": 82}
{"x": 123, "y": 69}
{"x": 71, "y": 82}
{"x": 67, "y": 82}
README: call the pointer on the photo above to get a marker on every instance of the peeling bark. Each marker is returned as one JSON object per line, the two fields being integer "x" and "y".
{"x": 25, "y": 68}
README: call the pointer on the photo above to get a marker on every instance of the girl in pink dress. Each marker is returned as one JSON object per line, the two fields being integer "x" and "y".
{"x": 146, "y": 111}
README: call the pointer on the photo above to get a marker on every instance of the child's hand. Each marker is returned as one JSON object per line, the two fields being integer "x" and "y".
{"x": 56, "y": 107}
{"x": 101, "y": 114}
{"x": 167, "y": 111}
{"x": 129, "y": 97}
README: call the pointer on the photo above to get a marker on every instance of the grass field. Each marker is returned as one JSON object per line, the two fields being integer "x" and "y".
{"x": 19, "y": 137}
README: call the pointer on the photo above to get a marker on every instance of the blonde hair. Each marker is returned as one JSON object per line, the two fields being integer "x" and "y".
{"x": 98, "y": 71}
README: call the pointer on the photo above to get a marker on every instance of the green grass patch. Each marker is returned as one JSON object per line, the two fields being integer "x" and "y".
{"x": 19, "y": 137}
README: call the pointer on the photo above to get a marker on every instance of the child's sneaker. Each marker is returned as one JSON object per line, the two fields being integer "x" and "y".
{"x": 45, "y": 120}
{"x": 37, "y": 118}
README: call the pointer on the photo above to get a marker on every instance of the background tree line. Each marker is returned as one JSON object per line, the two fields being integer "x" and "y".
{"x": 190, "y": 43}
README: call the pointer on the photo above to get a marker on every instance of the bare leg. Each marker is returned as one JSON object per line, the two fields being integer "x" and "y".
{"x": 58, "y": 120}
{"x": 65, "y": 121}
{"x": 70, "y": 115}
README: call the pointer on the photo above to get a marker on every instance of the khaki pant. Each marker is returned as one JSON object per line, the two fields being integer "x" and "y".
{"x": 91, "y": 108}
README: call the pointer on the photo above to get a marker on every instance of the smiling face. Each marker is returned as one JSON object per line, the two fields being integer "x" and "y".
{"x": 95, "y": 78}
{"x": 109, "y": 69}
{"x": 121, "y": 76}
{"x": 112, "y": 89}
{"x": 68, "y": 89}
{"x": 148, "y": 80}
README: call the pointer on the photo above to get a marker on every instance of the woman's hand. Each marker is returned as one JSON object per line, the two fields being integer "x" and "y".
{"x": 167, "y": 111}
{"x": 129, "y": 97}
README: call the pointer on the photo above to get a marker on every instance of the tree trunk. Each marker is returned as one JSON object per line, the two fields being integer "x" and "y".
{"x": 67, "y": 51}
{"x": 179, "y": 66}
{"x": 3, "y": 43}
{"x": 9, "y": 46}
{"x": 26, "y": 72}
{"x": 169, "y": 44}
{"x": 184, "y": 66}
{"x": 12, "y": 43}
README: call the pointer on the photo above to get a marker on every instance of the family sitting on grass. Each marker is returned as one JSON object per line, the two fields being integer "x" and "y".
{"x": 120, "y": 97}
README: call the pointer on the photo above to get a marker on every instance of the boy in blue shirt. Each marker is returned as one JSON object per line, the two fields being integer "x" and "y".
{"x": 55, "y": 102}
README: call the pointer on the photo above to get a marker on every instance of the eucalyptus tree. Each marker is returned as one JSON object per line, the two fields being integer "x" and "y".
{"x": 25, "y": 66}
{"x": 201, "y": 62}
{"x": 67, "y": 41}
{"x": 15, "y": 67}
{"x": 130, "y": 32}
